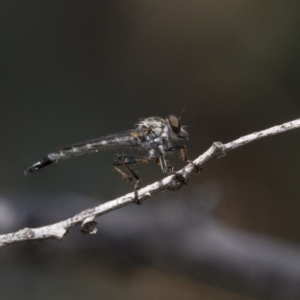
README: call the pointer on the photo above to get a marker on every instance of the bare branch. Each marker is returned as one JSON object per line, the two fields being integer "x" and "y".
{"x": 261, "y": 134}
{"x": 173, "y": 182}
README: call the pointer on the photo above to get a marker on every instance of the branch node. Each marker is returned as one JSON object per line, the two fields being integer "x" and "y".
{"x": 139, "y": 199}
{"x": 145, "y": 196}
{"x": 219, "y": 150}
{"x": 89, "y": 226}
{"x": 26, "y": 233}
{"x": 178, "y": 181}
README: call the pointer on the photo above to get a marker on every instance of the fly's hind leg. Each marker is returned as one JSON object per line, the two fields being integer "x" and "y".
{"x": 124, "y": 161}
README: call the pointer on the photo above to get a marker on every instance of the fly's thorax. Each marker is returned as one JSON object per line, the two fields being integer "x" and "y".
{"x": 157, "y": 132}
{"x": 152, "y": 127}
{"x": 151, "y": 153}
{"x": 152, "y": 122}
{"x": 166, "y": 129}
{"x": 158, "y": 140}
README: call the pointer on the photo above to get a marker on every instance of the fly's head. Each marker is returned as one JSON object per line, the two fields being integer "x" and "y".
{"x": 175, "y": 130}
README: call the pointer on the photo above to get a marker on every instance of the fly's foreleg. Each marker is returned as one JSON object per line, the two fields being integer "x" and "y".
{"x": 160, "y": 160}
{"x": 163, "y": 165}
{"x": 184, "y": 155}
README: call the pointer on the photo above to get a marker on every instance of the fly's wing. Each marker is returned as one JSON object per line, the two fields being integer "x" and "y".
{"x": 129, "y": 138}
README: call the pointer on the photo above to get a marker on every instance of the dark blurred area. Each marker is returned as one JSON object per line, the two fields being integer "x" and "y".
{"x": 75, "y": 70}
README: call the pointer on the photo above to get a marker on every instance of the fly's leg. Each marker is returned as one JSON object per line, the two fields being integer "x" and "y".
{"x": 124, "y": 160}
{"x": 162, "y": 162}
{"x": 124, "y": 175}
{"x": 130, "y": 159}
{"x": 166, "y": 169}
{"x": 183, "y": 151}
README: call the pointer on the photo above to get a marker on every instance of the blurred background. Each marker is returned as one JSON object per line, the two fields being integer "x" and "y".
{"x": 75, "y": 70}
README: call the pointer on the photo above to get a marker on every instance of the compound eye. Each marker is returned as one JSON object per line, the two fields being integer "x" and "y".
{"x": 174, "y": 123}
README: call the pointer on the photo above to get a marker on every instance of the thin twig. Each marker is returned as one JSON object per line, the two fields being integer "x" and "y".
{"x": 173, "y": 182}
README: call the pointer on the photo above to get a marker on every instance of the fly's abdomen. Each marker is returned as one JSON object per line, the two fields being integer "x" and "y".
{"x": 124, "y": 139}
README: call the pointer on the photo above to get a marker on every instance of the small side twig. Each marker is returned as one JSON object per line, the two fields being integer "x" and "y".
{"x": 87, "y": 217}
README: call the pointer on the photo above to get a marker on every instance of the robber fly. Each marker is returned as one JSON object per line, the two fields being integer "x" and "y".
{"x": 154, "y": 134}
